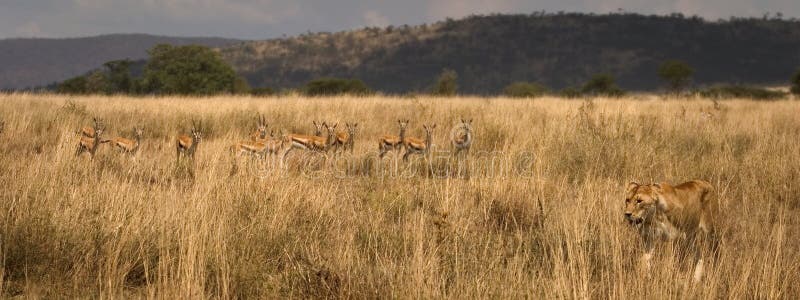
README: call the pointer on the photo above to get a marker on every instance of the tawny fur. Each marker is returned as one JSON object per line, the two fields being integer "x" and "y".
{"x": 419, "y": 146}
{"x": 127, "y": 145}
{"x": 393, "y": 142}
{"x": 663, "y": 212}
{"x": 187, "y": 144}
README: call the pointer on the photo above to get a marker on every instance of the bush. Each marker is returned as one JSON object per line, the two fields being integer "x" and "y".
{"x": 570, "y": 92}
{"x": 262, "y": 91}
{"x": 446, "y": 84}
{"x": 75, "y": 85}
{"x": 676, "y": 73}
{"x": 524, "y": 90}
{"x": 741, "y": 91}
{"x": 336, "y": 86}
{"x": 796, "y": 83}
{"x": 602, "y": 85}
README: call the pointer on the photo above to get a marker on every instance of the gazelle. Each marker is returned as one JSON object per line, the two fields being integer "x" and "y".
{"x": 2, "y": 126}
{"x": 127, "y": 145}
{"x": 261, "y": 148}
{"x": 462, "y": 137}
{"x": 319, "y": 128}
{"x": 313, "y": 143}
{"x": 345, "y": 140}
{"x": 186, "y": 144}
{"x": 260, "y": 134}
{"x": 393, "y": 142}
{"x": 89, "y": 131}
{"x": 90, "y": 144}
{"x": 418, "y": 146}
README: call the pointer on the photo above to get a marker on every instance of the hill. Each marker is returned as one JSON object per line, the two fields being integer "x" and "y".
{"x": 558, "y": 50}
{"x": 37, "y": 62}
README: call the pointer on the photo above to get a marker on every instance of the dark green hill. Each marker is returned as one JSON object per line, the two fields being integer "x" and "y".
{"x": 558, "y": 50}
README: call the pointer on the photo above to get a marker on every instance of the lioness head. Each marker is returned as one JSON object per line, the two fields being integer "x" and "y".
{"x": 641, "y": 201}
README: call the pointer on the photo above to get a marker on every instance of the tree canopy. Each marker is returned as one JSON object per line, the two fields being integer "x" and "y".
{"x": 676, "y": 73}
{"x": 187, "y": 70}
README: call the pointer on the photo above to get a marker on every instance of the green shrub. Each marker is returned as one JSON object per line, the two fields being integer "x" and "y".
{"x": 570, "y": 92}
{"x": 741, "y": 91}
{"x": 336, "y": 86}
{"x": 524, "y": 90}
{"x": 602, "y": 85}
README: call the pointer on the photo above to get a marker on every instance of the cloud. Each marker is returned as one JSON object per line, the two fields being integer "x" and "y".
{"x": 29, "y": 29}
{"x": 375, "y": 19}
{"x": 259, "y": 19}
{"x": 440, "y": 9}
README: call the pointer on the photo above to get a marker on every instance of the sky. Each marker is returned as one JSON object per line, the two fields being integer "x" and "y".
{"x": 261, "y": 19}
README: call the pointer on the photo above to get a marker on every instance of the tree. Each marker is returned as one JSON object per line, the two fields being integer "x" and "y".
{"x": 119, "y": 77}
{"x": 676, "y": 73}
{"x": 96, "y": 83}
{"x": 75, "y": 85}
{"x": 187, "y": 70}
{"x": 446, "y": 83}
{"x": 524, "y": 90}
{"x": 602, "y": 84}
{"x": 796, "y": 83}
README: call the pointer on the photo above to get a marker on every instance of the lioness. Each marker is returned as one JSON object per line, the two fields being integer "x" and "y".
{"x": 665, "y": 212}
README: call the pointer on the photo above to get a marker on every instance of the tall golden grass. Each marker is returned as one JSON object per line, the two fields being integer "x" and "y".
{"x": 547, "y": 225}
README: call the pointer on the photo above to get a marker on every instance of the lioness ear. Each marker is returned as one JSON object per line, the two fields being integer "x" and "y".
{"x": 631, "y": 186}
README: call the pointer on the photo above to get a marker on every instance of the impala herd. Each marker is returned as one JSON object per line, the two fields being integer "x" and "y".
{"x": 326, "y": 138}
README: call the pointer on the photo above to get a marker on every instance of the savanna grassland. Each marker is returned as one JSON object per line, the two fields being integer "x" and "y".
{"x": 534, "y": 211}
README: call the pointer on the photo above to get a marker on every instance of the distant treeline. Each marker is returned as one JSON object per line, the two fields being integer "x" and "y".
{"x": 198, "y": 70}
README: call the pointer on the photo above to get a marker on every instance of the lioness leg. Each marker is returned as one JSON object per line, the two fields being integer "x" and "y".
{"x": 700, "y": 243}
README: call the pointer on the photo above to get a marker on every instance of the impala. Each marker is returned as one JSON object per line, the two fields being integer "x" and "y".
{"x": 269, "y": 145}
{"x": 312, "y": 143}
{"x": 393, "y": 142}
{"x": 418, "y": 146}
{"x": 462, "y": 138}
{"x": 127, "y": 145}
{"x": 186, "y": 144}
{"x": 89, "y": 131}
{"x": 90, "y": 144}
{"x": 260, "y": 134}
{"x": 319, "y": 127}
{"x": 345, "y": 139}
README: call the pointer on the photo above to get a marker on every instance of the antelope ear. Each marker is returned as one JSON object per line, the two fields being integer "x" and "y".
{"x": 631, "y": 187}
{"x": 434, "y": 126}
{"x": 469, "y": 121}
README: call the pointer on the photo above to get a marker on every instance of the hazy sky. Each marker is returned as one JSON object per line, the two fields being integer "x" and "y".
{"x": 257, "y": 19}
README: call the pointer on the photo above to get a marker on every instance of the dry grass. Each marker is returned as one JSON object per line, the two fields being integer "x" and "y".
{"x": 216, "y": 228}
